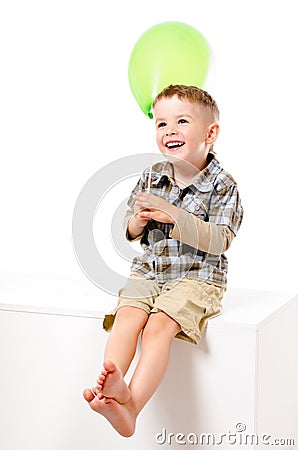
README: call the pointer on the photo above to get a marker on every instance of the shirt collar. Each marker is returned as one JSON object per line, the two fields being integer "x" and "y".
{"x": 162, "y": 169}
{"x": 203, "y": 181}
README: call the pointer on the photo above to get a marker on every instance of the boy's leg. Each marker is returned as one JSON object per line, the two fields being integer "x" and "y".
{"x": 156, "y": 343}
{"x": 157, "y": 338}
{"x": 122, "y": 342}
{"x": 119, "y": 352}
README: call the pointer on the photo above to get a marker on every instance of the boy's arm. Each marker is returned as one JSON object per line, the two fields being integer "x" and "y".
{"x": 205, "y": 236}
{"x": 225, "y": 217}
{"x": 133, "y": 225}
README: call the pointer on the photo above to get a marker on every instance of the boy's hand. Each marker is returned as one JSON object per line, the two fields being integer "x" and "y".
{"x": 153, "y": 207}
{"x": 136, "y": 224}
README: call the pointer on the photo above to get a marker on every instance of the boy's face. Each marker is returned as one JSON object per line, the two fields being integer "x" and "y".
{"x": 182, "y": 130}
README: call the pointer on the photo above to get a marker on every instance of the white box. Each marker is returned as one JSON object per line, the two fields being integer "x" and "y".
{"x": 239, "y": 384}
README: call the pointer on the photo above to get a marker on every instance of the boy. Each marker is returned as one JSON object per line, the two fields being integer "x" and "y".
{"x": 185, "y": 223}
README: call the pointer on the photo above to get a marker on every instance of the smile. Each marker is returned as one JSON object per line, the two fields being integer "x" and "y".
{"x": 174, "y": 144}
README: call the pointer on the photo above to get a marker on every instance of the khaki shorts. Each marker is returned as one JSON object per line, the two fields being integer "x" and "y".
{"x": 188, "y": 301}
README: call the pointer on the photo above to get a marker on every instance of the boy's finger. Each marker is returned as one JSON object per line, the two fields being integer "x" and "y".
{"x": 143, "y": 204}
{"x": 145, "y": 215}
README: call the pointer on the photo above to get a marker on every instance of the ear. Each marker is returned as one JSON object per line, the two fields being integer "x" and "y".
{"x": 212, "y": 133}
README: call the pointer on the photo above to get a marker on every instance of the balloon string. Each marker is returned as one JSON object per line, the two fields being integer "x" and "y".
{"x": 150, "y": 169}
{"x": 149, "y": 179}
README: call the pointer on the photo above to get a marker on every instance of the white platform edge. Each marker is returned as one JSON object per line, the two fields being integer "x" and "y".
{"x": 219, "y": 322}
{"x": 52, "y": 311}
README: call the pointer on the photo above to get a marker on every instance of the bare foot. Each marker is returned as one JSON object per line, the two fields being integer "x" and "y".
{"x": 121, "y": 417}
{"x": 111, "y": 383}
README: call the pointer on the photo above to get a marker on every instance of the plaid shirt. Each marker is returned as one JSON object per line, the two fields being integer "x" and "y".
{"x": 212, "y": 196}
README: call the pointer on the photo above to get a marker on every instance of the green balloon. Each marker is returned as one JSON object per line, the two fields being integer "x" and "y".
{"x": 167, "y": 53}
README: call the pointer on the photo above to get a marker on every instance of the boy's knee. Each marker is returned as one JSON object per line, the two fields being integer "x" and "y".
{"x": 161, "y": 324}
{"x": 135, "y": 317}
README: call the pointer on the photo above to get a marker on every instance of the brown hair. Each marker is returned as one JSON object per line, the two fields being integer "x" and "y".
{"x": 193, "y": 94}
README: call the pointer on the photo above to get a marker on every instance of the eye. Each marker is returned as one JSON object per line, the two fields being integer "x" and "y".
{"x": 161, "y": 125}
{"x": 182, "y": 121}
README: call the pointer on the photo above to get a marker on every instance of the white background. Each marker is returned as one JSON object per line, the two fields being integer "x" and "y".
{"x": 67, "y": 110}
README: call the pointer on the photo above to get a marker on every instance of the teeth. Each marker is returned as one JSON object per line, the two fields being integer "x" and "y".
{"x": 174, "y": 144}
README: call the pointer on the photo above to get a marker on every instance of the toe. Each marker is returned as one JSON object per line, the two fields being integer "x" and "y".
{"x": 88, "y": 395}
{"x": 109, "y": 366}
{"x": 101, "y": 379}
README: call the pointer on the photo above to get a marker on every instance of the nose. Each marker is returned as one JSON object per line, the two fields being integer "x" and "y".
{"x": 170, "y": 132}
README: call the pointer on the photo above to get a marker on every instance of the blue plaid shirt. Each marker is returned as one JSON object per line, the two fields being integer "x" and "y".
{"x": 212, "y": 196}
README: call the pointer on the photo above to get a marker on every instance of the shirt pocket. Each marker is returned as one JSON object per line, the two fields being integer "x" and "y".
{"x": 198, "y": 206}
